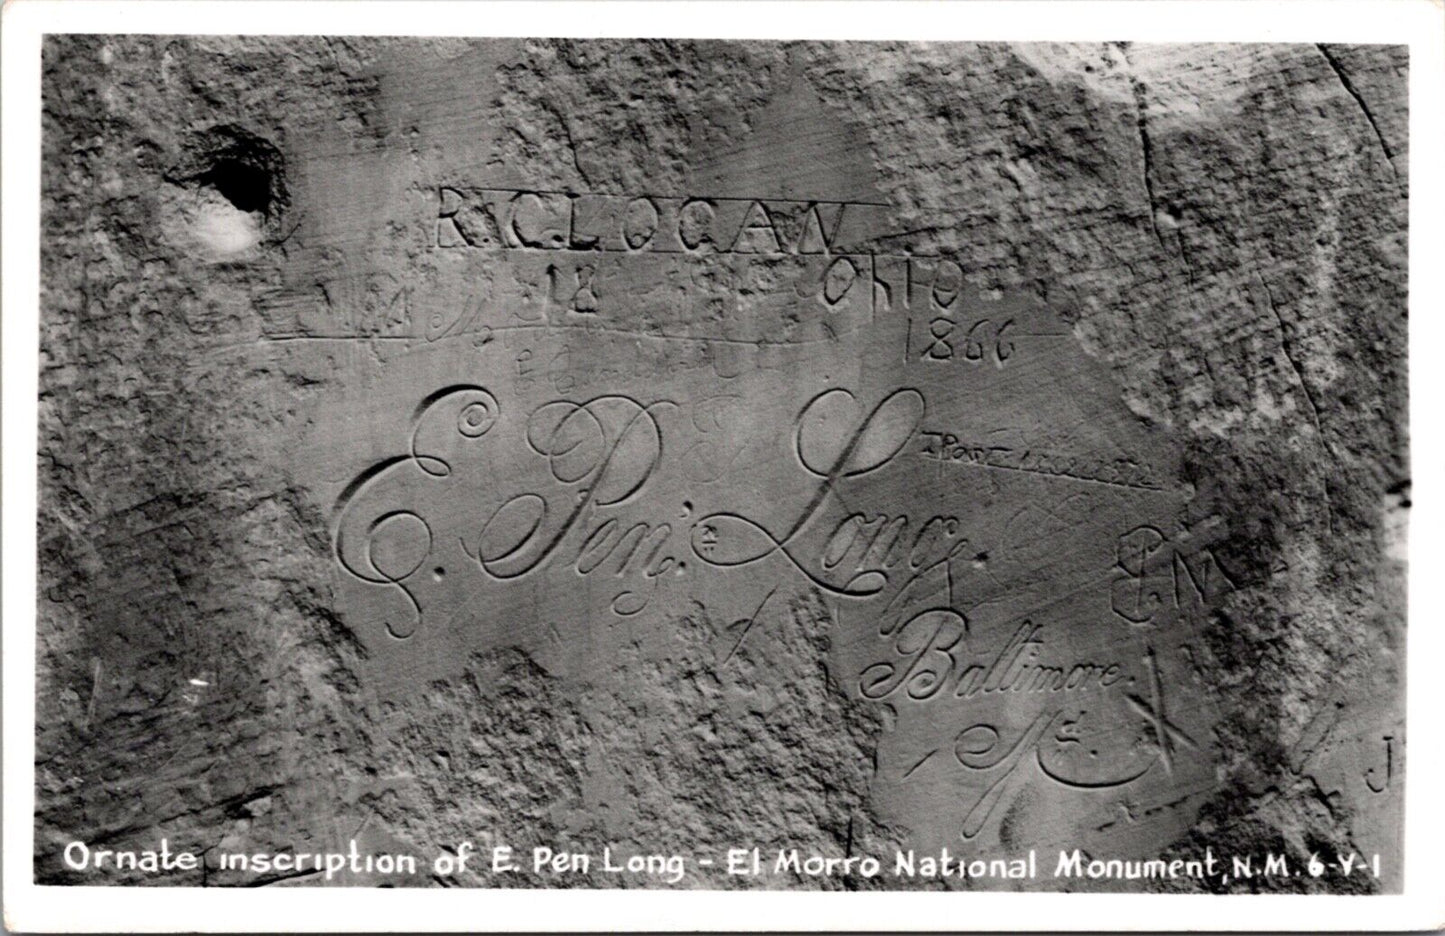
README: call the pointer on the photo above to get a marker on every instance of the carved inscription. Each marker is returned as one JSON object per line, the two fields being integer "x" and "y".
{"x": 588, "y": 455}
{"x": 932, "y": 656}
{"x": 1123, "y": 472}
{"x": 606, "y": 223}
{"x": 377, "y": 536}
{"x": 1159, "y": 579}
{"x": 1377, "y": 779}
{"x": 1048, "y": 744}
{"x": 716, "y": 270}
{"x": 1075, "y": 746}
{"x": 698, "y": 401}
{"x": 705, "y": 242}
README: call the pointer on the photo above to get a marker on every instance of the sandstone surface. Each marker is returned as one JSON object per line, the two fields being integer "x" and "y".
{"x": 685, "y": 445}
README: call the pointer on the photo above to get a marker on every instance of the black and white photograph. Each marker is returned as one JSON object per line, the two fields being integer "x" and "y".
{"x": 685, "y": 464}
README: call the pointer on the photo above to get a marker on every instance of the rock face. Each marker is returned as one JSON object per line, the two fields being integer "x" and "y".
{"x": 690, "y": 445}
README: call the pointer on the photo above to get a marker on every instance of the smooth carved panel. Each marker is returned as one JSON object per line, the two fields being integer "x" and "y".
{"x": 867, "y": 447}
{"x": 1007, "y": 558}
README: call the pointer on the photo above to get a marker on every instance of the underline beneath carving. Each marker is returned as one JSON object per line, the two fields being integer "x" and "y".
{"x": 542, "y": 326}
{"x": 698, "y": 254}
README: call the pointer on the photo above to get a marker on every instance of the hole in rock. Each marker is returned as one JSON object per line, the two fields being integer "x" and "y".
{"x": 247, "y": 187}
{"x": 229, "y": 193}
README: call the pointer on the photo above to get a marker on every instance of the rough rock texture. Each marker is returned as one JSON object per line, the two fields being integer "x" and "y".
{"x": 466, "y": 440}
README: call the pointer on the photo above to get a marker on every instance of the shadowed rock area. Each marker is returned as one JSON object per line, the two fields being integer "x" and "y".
{"x": 855, "y": 448}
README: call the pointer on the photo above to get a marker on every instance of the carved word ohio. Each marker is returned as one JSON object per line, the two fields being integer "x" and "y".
{"x": 518, "y": 219}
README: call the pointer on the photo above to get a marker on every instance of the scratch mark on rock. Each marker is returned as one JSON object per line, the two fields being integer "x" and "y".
{"x": 1364, "y": 109}
{"x": 921, "y": 761}
{"x": 94, "y": 691}
{"x": 1146, "y": 146}
{"x": 1285, "y": 346}
{"x": 748, "y": 626}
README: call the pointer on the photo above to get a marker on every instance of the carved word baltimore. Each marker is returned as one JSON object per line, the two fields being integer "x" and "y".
{"x": 932, "y": 657}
